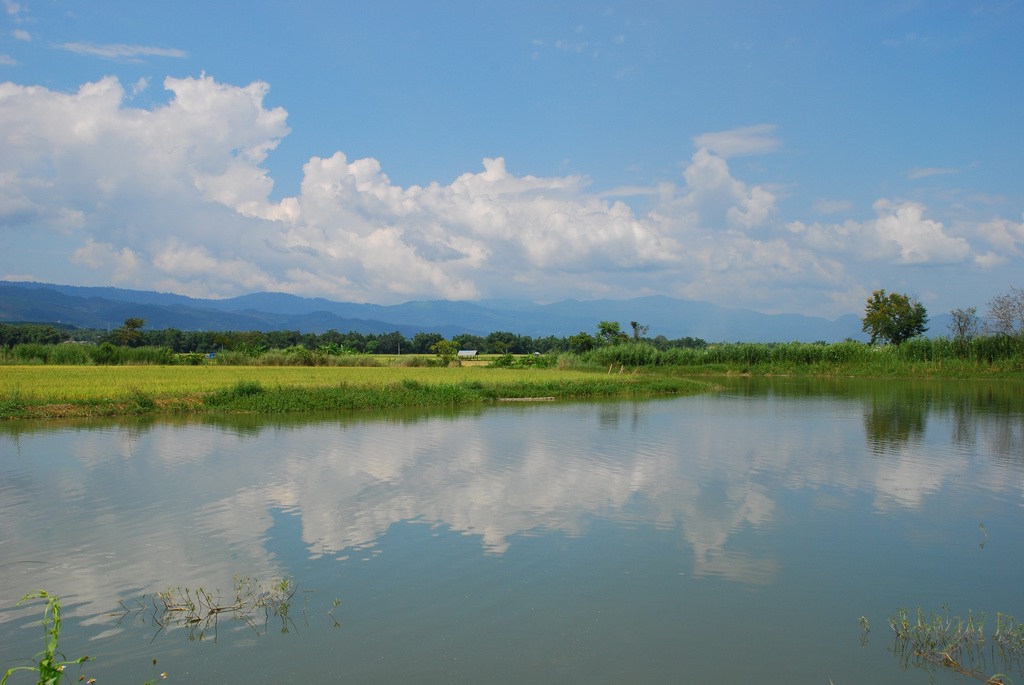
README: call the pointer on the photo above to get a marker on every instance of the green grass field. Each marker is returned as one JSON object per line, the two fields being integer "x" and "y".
{"x": 79, "y": 383}
{"x": 44, "y": 391}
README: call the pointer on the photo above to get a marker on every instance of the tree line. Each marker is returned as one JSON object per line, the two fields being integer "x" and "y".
{"x": 134, "y": 334}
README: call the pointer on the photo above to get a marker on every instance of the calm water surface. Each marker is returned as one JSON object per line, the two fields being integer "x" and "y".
{"x": 731, "y": 537}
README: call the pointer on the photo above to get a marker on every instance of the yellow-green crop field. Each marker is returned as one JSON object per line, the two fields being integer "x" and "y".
{"x": 80, "y": 383}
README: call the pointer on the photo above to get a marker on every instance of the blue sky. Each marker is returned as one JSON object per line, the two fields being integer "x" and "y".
{"x": 784, "y": 157}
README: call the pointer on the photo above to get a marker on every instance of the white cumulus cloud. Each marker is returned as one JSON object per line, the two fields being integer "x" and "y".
{"x": 179, "y": 198}
{"x": 902, "y": 230}
{"x": 1005, "y": 237}
{"x": 900, "y": 234}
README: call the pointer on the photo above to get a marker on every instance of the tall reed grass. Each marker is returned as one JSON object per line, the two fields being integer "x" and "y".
{"x": 921, "y": 356}
{"x": 984, "y": 356}
{"x": 75, "y": 354}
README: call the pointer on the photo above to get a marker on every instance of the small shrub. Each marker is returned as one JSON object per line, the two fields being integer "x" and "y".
{"x": 242, "y": 389}
{"x": 544, "y": 361}
{"x": 297, "y": 355}
{"x": 12, "y": 406}
{"x": 247, "y": 388}
{"x": 105, "y": 354}
{"x": 505, "y": 361}
{"x": 142, "y": 401}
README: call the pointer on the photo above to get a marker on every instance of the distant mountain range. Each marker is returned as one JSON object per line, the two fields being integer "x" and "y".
{"x": 105, "y": 308}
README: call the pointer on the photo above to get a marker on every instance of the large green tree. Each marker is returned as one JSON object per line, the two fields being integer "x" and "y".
{"x": 130, "y": 334}
{"x": 581, "y": 342}
{"x": 893, "y": 317}
{"x": 610, "y": 333}
{"x": 446, "y": 350}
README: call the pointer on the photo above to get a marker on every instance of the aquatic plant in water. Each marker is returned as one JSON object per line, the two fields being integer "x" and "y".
{"x": 957, "y": 644}
{"x": 199, "y": 610}
{"x": 50, "y": 664}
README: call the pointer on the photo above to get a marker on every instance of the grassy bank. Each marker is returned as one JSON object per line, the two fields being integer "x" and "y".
{"x": 43, "y": 391}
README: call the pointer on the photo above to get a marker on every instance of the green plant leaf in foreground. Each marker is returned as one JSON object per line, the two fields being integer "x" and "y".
{"x": 50, "y": 663}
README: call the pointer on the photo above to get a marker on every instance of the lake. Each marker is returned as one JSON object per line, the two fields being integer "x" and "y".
{"x": 731, "y": 537}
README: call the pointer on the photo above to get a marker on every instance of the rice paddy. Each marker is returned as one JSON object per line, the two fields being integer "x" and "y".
{"x": 43, "y": 391}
